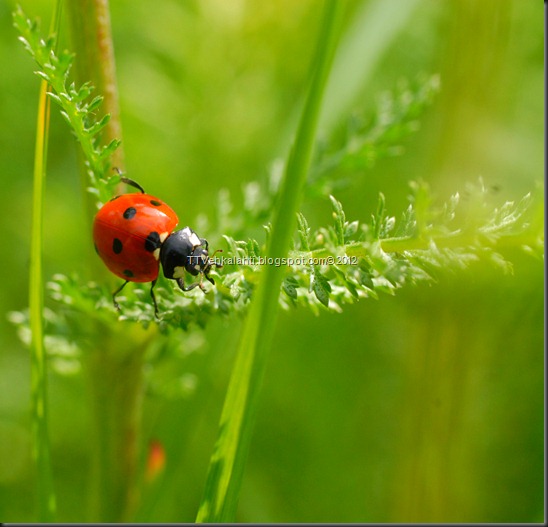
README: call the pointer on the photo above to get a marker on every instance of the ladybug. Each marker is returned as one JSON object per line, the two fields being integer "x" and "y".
{"x": 134, "y": 233}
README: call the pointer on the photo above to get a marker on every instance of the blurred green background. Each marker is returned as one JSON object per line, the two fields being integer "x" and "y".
{"x": 423, "y": 407}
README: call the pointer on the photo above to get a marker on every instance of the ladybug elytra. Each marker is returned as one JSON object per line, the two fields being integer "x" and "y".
{"x": 134, "y": 233}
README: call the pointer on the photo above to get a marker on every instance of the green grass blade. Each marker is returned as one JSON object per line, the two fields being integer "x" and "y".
{"x": 41, "y": 451}
{"x": 227, "y": 463}
{"x": 39, "y": 403}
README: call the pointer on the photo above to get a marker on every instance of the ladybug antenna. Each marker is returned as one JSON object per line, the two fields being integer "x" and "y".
{"x": 212, "y": 259}
{"x": 128, "y": 181}
{"x": 132, "y": 183}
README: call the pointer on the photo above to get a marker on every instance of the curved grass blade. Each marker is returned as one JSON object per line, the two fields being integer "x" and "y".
{"x": 227, "y": 462}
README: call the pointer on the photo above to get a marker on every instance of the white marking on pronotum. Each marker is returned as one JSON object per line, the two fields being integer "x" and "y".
{"x": 178, "y": 272}
{"x": 156, "y": 253}
{"x": 163, "y": 236}
{"x": 192, "y": 238}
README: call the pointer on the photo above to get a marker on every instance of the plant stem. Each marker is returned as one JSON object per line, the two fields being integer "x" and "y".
{"x": 115, "y": 375}
{"x": 115, "y": 366}
{"x": 39, "y": 403}
{"x": 227, "y": 463}
{"x": 90, "y": 28}
{"x": 47, "y": 503}
{"x": 91, "y": 38}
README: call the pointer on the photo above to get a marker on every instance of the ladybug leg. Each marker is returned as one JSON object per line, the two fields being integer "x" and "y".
{"x": 205, "y": 243}
{"x": 154, "y": 298}
{"x": 181, "y": 284}
{"x": 201, "y": 282}
{"x": 116, "y": 293}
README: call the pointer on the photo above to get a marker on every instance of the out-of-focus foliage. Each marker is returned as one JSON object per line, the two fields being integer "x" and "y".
{"x": 425, "y": 406}
{"x": 331, "y": 267}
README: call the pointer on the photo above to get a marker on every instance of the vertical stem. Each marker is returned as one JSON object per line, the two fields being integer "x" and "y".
{"x": 39, "y": 403}
{"x": 89, "y": 22}
{"x": 91, "y": 39}
{"x": 115, "y": 376}
{"x": 115, "y": 366}
{"x": 47, "y": 505}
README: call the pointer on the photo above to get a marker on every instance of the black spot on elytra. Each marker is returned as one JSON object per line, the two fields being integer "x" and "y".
{"x": 156, "y": 203}
{"x": 152, "y": 242}
{"x": 128, "y": 273}
{"x": 117, "y": 246}
{"x": 130, "y": 212}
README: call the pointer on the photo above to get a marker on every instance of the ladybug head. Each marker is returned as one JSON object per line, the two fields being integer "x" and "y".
{"x": 184, "y": 251}
{"x": 199, "y": 261}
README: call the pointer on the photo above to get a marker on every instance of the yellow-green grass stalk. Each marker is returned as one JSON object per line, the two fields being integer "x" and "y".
{"x": 227, "y": 463}
{"x": 46, "y": 499}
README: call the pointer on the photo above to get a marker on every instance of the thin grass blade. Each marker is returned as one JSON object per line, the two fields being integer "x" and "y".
{"x": 228, "y": 460}
{"x": 39, "y": 402}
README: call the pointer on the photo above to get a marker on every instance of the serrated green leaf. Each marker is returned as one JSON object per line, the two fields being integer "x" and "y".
{"x": 365, "y": 275}
{"x": 252, "y": 248}
{"x": 65, "y": 117}
{"x": 84, "y": 92}
{"x": 304, "y": 231}
{"x": 64, "y": 62}
{"x": 268, "y": 230}
{"x": 232, "y": 246}
{"x": 55, "y": 97}
{"x": 94, "y": 104}
{"x": 289, "y": 286}
{"x": 340, "y": 219}
{"x": 321, "y": 288}
{"x": 344, "y": 278}
{"x": 109, "y": 149}
{"x": 350, "y": 229}
{"x": 379, "y": 216}
{"x": 43, "y": 75}
{"x": 98, "y": 126}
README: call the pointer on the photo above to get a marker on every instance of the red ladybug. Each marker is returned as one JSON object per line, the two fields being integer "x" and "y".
{"x": 133, "y": 234}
